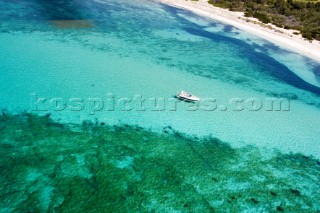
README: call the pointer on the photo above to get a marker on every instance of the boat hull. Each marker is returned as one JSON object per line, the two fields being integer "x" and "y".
{"x": 192, "y": 99}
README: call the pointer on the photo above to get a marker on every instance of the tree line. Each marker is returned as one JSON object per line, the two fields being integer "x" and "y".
{"x": 298, "y": 15}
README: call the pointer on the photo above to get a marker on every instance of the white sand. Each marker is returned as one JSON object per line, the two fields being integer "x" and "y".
{"x": 279, "y": 36}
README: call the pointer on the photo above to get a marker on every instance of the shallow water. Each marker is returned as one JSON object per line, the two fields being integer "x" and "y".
{"x": 47, "y": 166}
{"x": 106, "y": 51}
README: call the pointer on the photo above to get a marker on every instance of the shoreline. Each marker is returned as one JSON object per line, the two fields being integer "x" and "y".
{"x": 279, "y": 36}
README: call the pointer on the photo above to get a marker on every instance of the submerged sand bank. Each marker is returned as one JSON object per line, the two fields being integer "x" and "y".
{"x": 279, "y": 36}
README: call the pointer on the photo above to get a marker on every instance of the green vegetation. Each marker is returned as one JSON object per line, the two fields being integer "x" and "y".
{"x": 303, "y": 16}
{"x": 49, "y": 167}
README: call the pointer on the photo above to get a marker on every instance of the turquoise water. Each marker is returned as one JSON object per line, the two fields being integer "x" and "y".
{"x": 112, "y": 50}
{"x": 49, "y": 167}
{"x": 152, "y": 50}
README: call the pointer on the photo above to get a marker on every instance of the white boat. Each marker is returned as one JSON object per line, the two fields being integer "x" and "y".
{"x": 187, "y": 96}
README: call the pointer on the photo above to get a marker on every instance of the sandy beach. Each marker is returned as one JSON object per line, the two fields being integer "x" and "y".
{"x": 279, "y": 36}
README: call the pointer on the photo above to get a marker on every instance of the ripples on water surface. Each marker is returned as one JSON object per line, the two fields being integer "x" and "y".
{"x": 87, "y": 49}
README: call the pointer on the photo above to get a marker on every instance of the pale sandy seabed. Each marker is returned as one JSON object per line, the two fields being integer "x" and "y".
{"x": 280, "y": 36}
